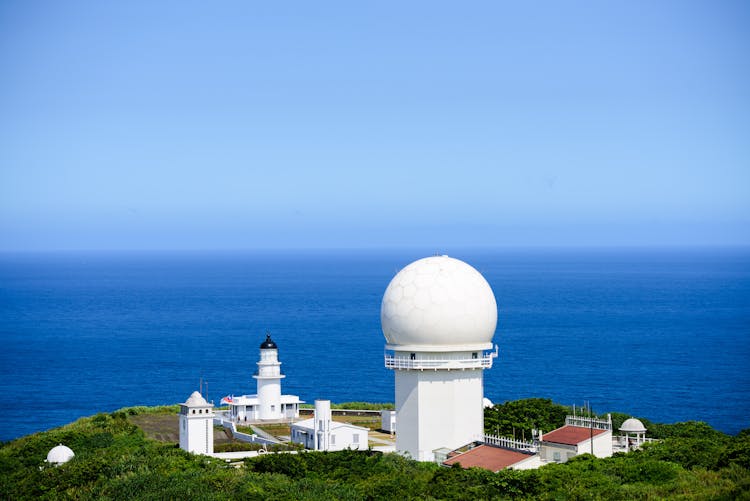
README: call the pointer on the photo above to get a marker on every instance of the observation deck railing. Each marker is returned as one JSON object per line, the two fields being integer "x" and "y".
{"x": 482, "y": 361}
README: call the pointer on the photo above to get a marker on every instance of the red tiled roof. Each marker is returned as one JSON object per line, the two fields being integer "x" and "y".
{"x": 570, "y": 435}
{"x": 488, "y": 457}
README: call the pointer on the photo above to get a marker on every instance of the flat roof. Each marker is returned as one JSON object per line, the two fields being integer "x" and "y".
{"x": 571, "y": 435}
{"x": 488, "y": 457}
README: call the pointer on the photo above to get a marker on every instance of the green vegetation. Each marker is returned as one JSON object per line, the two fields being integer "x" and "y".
{"x": 115, "y": 459}
{"x": 517, "y": 418}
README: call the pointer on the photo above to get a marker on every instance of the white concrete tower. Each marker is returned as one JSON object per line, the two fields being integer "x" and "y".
{"x": 438, "y": 316}
{"x": 269, "y": 381}
{"x": 197, "y": 425}
{"x": 322, "y": 422}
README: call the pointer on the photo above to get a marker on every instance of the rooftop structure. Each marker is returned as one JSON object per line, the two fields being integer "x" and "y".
{"x": 633, "y": 435}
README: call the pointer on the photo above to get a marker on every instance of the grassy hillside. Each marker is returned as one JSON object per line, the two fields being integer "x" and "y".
{"x": 116, "y": 460}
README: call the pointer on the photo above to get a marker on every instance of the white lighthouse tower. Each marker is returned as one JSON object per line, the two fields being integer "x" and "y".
{"x": 269, "y": 381}
{"x": 438, "y": 316}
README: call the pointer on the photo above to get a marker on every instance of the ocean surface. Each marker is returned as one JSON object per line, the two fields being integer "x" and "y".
{"x": 661, "y": 334}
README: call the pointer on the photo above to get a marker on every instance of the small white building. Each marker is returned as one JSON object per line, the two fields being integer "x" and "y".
{"x": 268, "y": 404}
{"x": 580, "y": 435}
{"x": 388, "y": 421}
{"x": 322, "y": 433}
{"x": 197, "y": 425}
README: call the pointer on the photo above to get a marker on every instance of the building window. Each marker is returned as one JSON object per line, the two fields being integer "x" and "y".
{"x": 556, "y": 457}
{"x": 333, "y": 439}
{"x": 193, "y": 411}
{"x": 320, "y": 424}
{"x": 273, "y": 408}
{"x": 474, "y": 355}
{"x": 413, "y": 356}
{"x": 355, "y": 438}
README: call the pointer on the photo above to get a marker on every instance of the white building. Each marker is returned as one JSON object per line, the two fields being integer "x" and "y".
{"x": 322, "y": 433}
{"x": 438, "y": 316}
{"x": 197, "y": 425}
{"x": 268, "y": 403}
{"x": 388, "y": 421}
{"x": 580, "y": 435}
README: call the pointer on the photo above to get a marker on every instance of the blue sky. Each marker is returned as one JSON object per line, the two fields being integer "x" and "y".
{"x": 232, "y": 125}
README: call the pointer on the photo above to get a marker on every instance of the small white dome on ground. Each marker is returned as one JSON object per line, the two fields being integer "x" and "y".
{"x": 632, "y": 425}
{"x": 438, "y": 304}
{"x": 59, "y": 454}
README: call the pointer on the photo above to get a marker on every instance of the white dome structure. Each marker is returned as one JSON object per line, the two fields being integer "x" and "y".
{"x": 438, "y": 317}
{"x": 632, "y": 425}
{"x": 196, "y": 400}
{"x": 59, "y": 454}
{"x": 633, "y": 434}
{"x": 438, "y": 304}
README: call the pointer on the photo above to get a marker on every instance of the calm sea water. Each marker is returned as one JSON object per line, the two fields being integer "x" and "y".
{"x": 661, "y": 334}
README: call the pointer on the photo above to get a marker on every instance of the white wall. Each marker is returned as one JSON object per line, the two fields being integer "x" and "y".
{"x": 197, "y": 433}
{"x": 602, "y": 445}
{"x": 532, "y": 463}
{"x": 269, "y": 398}
{"x": 437, "y": 409}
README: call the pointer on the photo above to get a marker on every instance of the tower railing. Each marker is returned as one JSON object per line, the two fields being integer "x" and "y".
{"x": 483, "y": 361}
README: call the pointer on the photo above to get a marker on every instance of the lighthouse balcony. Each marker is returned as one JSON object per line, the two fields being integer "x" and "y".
{"x": 440, "y": 361}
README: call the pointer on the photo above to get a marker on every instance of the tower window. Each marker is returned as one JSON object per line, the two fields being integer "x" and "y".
{"x": 474, "y": 355}
{"x": 413, "y": 356}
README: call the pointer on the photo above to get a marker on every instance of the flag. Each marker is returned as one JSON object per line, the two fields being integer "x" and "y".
{"x": 227, "y": 400}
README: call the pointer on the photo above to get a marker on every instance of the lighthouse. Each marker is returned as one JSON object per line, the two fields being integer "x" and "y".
{"x": 438, "y": 316}
{"x": 269, "y": 381}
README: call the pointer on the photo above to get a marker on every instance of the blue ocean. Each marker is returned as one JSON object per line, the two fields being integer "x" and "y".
{"x": 656, "y": 333}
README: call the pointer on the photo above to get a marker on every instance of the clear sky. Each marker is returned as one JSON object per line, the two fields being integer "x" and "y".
{"x": 167, "y": 125}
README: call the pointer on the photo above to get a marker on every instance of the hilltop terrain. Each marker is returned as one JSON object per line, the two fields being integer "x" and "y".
{"x": 117, "y": 459}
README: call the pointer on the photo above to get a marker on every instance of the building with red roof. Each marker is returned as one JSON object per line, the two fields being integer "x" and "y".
{"x": 573, "y": 439}
{"x": 495, "y": 459}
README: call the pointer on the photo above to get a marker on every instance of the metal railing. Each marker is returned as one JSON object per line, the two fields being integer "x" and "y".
{"x": 400, "y": 362}
{"x": 509, "y": 443}
{"x": 589, "y": 422}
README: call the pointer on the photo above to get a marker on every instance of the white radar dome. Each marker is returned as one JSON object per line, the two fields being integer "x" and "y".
{"x": 59, "y": 454}
{"x": 438, "y": 304}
